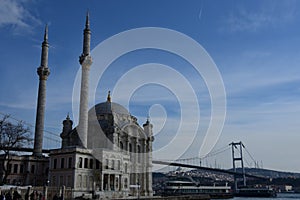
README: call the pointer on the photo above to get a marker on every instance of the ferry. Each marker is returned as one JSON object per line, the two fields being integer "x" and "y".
{"x": 255, "y": 192}
{"x": 187, "y": 186}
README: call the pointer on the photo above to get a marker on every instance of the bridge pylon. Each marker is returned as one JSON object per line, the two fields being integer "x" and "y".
{"x": 238, "y": 158}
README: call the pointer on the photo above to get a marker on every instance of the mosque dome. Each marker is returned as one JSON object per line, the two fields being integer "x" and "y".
{"x": 109, "y": 107}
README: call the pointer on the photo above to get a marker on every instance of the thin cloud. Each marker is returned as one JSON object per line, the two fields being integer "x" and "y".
{"x": 14, "y": 14}
{"x": 261, "y": 17}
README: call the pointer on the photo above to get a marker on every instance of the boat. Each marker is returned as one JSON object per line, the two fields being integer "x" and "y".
{"x": 187, "y": 186}
{"x": 255, "y": 192}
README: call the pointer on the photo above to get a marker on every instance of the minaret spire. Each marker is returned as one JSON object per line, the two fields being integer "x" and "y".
{"x": 85, "y": 61}
{"x": 87, "y": 21}
{"x": 86, "y": 39}
{"x": 46, "y": 34}
{"x": 43, "y": 72}
{"x": 45, "y": 46}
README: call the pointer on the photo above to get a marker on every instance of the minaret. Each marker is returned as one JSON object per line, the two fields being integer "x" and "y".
{"x": 67, "y": 128}
{"x": 85, "y": 61}
{"x": 43, "y": 72}
{"x": 148, "y": 128}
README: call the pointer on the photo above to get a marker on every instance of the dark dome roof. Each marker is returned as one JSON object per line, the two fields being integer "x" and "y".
{"x": 109, "y": 108}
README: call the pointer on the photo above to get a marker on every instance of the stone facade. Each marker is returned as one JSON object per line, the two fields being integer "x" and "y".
{"x": 108, "y": 154}
{"x": 26, "y": 170}
{"x": 117, "y": 162}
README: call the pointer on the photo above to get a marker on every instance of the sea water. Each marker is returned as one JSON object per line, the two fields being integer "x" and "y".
{"x": 280, "y": 196}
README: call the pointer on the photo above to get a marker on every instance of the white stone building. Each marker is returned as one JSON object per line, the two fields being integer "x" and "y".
{"x": 116, "y": 161}
{"x": 26, "y": 170}
{"x": 108, "y": 153}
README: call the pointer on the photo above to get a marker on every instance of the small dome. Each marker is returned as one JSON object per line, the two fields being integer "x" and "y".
{"x": 110, "y": 108}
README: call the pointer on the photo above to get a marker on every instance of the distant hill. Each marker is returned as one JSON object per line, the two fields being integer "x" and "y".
{"x": 218, "y": 175}
{"x": 270, "y": 173}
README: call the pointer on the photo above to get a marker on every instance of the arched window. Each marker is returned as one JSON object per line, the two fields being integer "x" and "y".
{"x": 121, "y": 145}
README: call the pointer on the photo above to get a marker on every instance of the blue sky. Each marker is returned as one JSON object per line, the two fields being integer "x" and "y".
{"x": 254, "y": 44}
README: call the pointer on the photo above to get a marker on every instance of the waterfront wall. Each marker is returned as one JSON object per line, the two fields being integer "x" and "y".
{"x": 183, "y": 197}
{"x": 66, "y": 194}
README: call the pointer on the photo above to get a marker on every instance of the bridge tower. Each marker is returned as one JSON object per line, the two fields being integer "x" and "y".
{"x": 238, "y": 158}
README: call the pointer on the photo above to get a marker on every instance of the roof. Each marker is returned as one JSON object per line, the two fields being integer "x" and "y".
{"x": 110, "y": 108}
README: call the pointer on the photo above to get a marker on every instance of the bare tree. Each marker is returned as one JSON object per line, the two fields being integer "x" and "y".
{"x": 12, "y": 136}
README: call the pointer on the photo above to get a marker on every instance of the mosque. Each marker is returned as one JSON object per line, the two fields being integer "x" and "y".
{"x": 107, "y": 154}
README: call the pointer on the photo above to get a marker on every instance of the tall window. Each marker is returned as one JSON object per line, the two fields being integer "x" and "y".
{"x": 69, "y": 184}
{"x": 121, "y": 145}
{"x": 32, "y": 169}
{"x": 70, "y": 162}
{"x": 21, "y": 169}
{"x": 15, "y": 168}
{"x": 130, "y": 147}
{"x": 119, "y": 164}
{"x": 9, "y": 168}
{"x": 97, "y": 164}
{"x": 62, "y": 163}
{"x": 91, "y": 163}
{"x": 54, "y": 163}
{"x": 86, "y": 162}
{"x": 106, "y": 163}
{"x": 47, "y": 170}
{"x": 130, "y": 152}
{"x": 125, "y": 183}
{"x": 113, "y": 164}
{"x": 139, "y": 153}
{"x": 61, "y": 181}
{"x": 80, "y": 162}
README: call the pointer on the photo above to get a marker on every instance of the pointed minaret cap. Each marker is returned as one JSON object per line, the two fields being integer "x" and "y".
{"x": 68, "y": 116}
{"x": 87, "y": 20}
{"x": 46, "y": 34}
{"x": 108, "y": 97}
{"x": 147, "y": 121}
